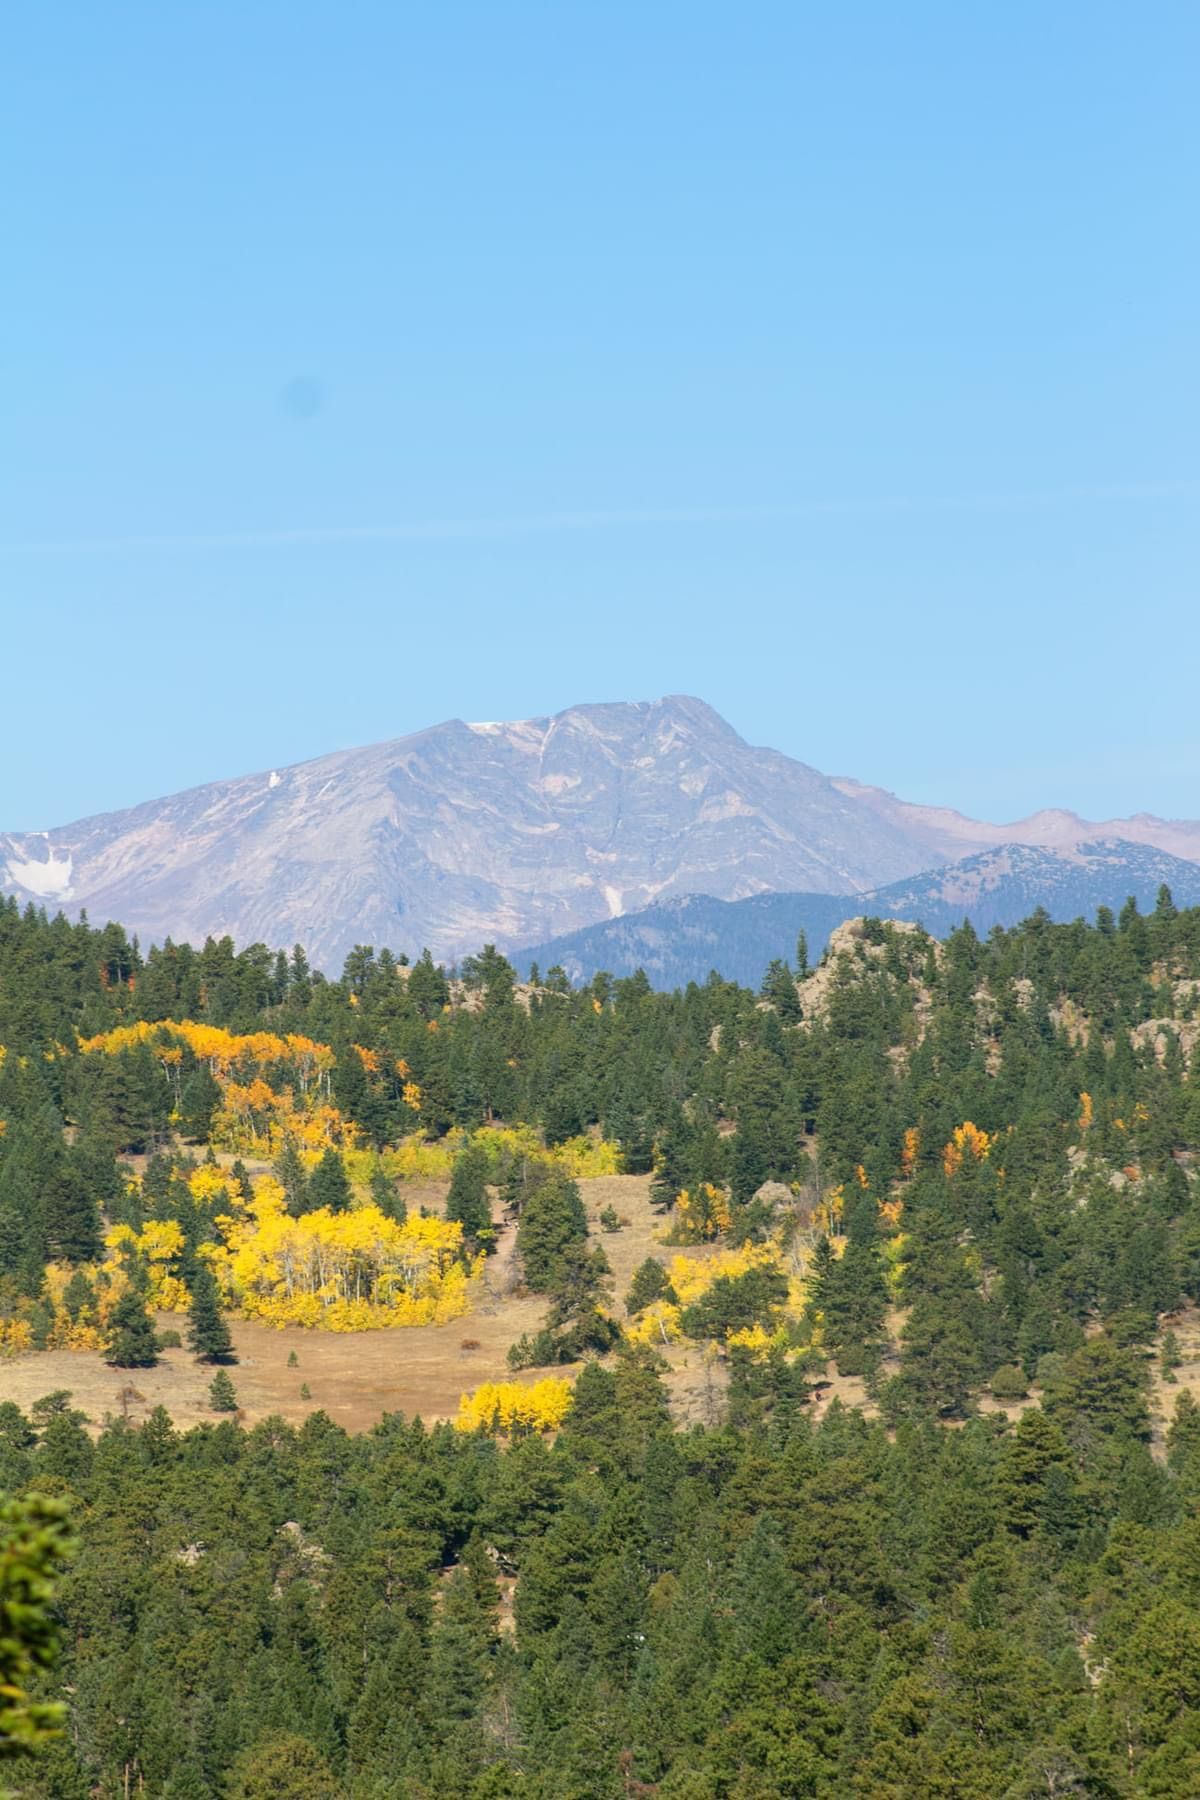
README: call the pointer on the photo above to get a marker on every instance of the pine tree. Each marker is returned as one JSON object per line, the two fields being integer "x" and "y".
{"x": 79, "y": 1295}
{"x": 70, "y": 1215}
{"x": 197, "y": 1103}
{"x": 293, "y": 1179}
{"x": 240, "y": 1175}
{"x": 386, "y": 1196}
{"x": 131, "y": 1340}
{"x": 468, "y": 1201}
{"x": 779, "y": 987}
{"x": 670, "y": 1165}
{"x": 650, "y": 1282}
{"x": 208, "y": 1334}
{"x": 552, "y": 1218}
{"x": 329, "y": 1185}
{"x": 222, "y": 1395}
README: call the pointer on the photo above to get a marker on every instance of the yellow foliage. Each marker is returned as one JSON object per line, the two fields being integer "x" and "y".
{"x": 827, "y": 1214}
{"x": 501, "y": 1405}
{"x": 692, "y": 1276}
{"x": 16, "y": 1336}
{"x": 702, "y": 1215}
{"x": 257, "y": 1121}
{"x": 1086, "y": 1110}
{"x": 87, "y": 1331}
{"x": 221, "y": 1049}
{"x": 893, "y": 1257}
{"x": 657, "y": 1323}
{"x": 254, "y": 1116}
{"x": 967, "y": 1140}
{"x": 911, "y": 1150}
{"x": 585, "y": 1157}
{"x": 158, "y": 1245}
{"x": 352, "y": 1271}
{"x": 579, "y": 1157}
{"x": 756, "y": 1338}
{"x": 206, "y": 1182}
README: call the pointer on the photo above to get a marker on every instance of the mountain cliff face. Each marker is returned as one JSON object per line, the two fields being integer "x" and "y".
{"x": 466, "y": 833}
{"x": 682, "y": 940}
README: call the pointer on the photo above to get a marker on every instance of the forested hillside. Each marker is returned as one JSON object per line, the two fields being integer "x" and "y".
{"x": 955, "y": 1179}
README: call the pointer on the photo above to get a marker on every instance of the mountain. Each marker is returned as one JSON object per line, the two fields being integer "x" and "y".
{"x": 510, "y": 833}
{"x": 466, "y": 833}
{"x": 948, "y": 835}
{"x": 683, "y": 940}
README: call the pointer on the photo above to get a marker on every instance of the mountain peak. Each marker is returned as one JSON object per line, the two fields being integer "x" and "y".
{"x": 468, "y": 832}
{"x": 511, "y": 832}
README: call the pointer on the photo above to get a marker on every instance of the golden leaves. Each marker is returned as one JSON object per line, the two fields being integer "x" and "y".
{"x": 501, "y": 1405}
{"x": 967, "y": 1140}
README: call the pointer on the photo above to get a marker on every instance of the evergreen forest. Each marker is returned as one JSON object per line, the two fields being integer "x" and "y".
{"x": 928, "y": 1211}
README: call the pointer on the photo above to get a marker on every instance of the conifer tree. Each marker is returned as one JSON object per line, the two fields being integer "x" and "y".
{"x": 650, "y": 1282}
{"x": 468, "y": 1201}
{"x": 329, "y": 1185}
{"x": 131, "y": 1340}
{"x": 222, "y": 1395}
{"x": 79, "y": 1295}
{"x": 552, "y": 1218}
{"x": 208, "y": 1334}
{"x": 386, "y": 1196}
{"x": 293, "y": 1179}
{"x": 197, "y": 1103}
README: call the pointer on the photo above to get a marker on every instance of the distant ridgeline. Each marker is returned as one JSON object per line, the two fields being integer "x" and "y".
{"x": 958, "y": 1175}
{"x": 681, "y": 940}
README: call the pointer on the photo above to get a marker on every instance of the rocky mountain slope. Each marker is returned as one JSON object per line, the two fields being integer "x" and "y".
{"x": 682, "y": 940}
{"x": 512, "y": 833}
{"x": 466, "y": 833}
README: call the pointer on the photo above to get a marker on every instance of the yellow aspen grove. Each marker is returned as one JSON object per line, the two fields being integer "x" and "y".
{"x": 352, "y": 1271}
{"x": 257, "y": 1115}
{"x": 501, "y": 1406}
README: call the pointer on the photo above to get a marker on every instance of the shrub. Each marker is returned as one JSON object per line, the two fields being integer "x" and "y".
{"x": 1009, "y": 1383}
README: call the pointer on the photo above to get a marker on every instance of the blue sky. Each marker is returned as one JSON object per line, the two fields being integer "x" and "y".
{"x": 366, "y": 366}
